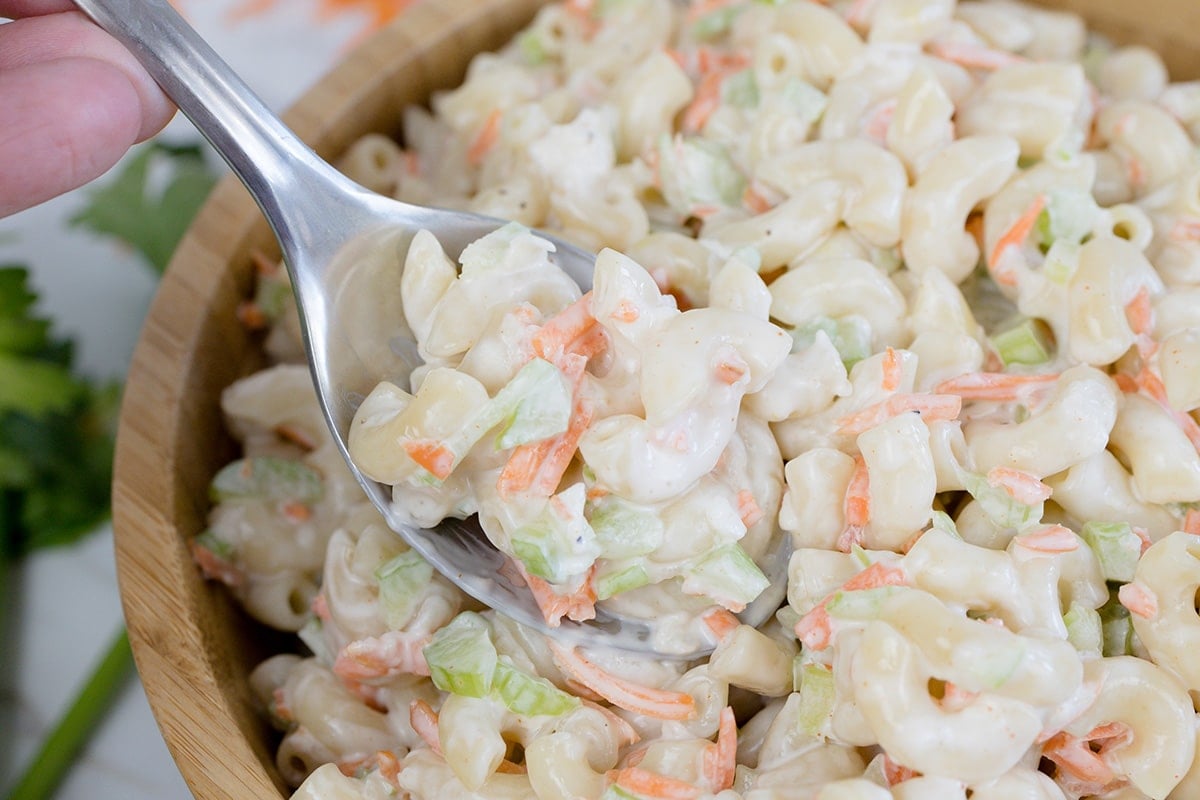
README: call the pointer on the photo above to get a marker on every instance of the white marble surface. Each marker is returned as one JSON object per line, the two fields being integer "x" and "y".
{"x": 66, "y": 601}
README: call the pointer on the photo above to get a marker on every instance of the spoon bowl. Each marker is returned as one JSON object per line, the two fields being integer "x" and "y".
{"x": 341, "y": 245}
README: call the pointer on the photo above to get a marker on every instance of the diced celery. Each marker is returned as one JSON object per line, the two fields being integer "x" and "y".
{"x": 817, "y": 692}
{"x": 861, "y": 555}
{"x": 558, "y": 543}
{"x": 615, "y": 792}
{"x": 997, "y": 504}
{"x": 740, "y": 90}
{"x": 215, "y": 545}
{"x": 808, "y": 101}
{"x": 615, "y": 582}
{"x": 698, "y": 172}
{"x": 1062, "y": 259}
{"x": 861, "y": 604}
{"x": 945, "y": 523}
{"x": 715, "y": 23}
{"x": 727, "y": 575}
{"x": 1117, "y": 627}
{"x": 532, "y": 47}
{"x": 1069, "y": 215}
{"x": 268, "y": 478}
{"x": 461, "y": 657}
{"x": 401, "y": 584}
{"x": 850, "y": 335}
{"x": 1116, "y": 547}
{"x": 1084, "y": 629}
{"x": 529, "y": 695}
{"x": 312, "y": 634}
{"x": 273, "y": 295}
{"x": 534, "y": 405}
{"x": 1028, "y": 342}
{"x": 623, "y": 529}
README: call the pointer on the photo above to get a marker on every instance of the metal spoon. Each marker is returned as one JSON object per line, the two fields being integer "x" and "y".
{"x": 341, "y": 243}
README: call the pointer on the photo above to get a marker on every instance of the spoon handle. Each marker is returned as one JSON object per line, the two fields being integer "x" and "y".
{"x": 268, "y": 157}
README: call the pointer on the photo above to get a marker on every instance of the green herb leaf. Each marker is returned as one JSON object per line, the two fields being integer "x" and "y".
{"x": 144, "y": 207}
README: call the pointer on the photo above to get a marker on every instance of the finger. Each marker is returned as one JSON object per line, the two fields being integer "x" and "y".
{"x": 39, "y": 40}
{"x": 16, "y": 9}
{"x": 62, "y": 123}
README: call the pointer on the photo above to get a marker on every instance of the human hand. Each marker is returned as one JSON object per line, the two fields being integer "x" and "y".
{"x": 72, "y": 101}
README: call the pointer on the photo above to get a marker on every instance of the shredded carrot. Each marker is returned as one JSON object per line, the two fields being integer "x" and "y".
{"x": 856, "y": 505}
{"x": 729, "y": 373}
{"x": 578, "y": 605}
{"x": 893, "y": 371}
{"x": 721, "y": 622}
{"x": 815, "y": 629}
{"x": 432, "y": 455}
{"x": 1186, "y": 230}
{"x": 1153, "y": 386}
{"x": 1144, "y": 536}
{"x": 387, "y": 655}
{"x": 252, "y": 316}
{"x": 1136, "y": 172}
{"x": 1126, "y": 383}
{"x": 279, "y": 706}
{"x": 994, "y": 386}
{"x": 1015, "y": 236}
{"x": 215, "y": 568}
{"x": 877, "y": 123}
{"x": 1139, "y": 600}
{"x": 379, "y": 12}
{"x": 1082, "y": 759}
{"x": 1191, "y": 522}
{"x": 755, "y": 200}
{"x": 389, "y": 767}
{"x": 424, "y": 721}
{"x": 720, "y": 758}
{"x": 1139, "y": 312}
{"x": 941, "y": 406}
{"x": 1049, "y": 539}
{"x": 556, "y": 336}
{"x": 539, "y": 466}
{"x": 296, "y": 435}
{"x": 748, "y": 508}
{"x": 320, "y": 607}
{"x": 657, "y": 703}
{"x": 973, "y": 56}
{"x": 486, "y": 138}
{"x": 295, "y": 512}
{"x": 1021, "y": 486}
{"x": 895, "y": 773}
{"x": 645, "y": 783}
{"x": 705, "y": 101}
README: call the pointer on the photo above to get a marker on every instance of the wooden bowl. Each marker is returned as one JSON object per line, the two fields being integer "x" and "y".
{"x": 192, "y": 645}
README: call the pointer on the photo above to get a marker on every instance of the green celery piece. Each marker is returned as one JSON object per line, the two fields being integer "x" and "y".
{"x": 1027, "y": 342}
{"x": 851, "y": 337}
{"x": 1084, "y": 629}
{"x": 698, "y": 172}
{"x": 1062, "y": 259}
{"x": 945, "y": 523}
{"x": 997, "y": 505}
{"x": 461, "y": 657}
{"x": 534, "y": 405}
{"x": 266, "y": 477}
{"x": 529, "y": 695}
{"x": 713, "y": 24}
{"x": 553, "y": 548}
{"x": 1116, "y": 546}
{"x": 615, "y": 792}
{"x": 727, "y": 574}
{"x": 54, "y": 758}
{"x": 741, "y": 90}
{"x": 401, "y": 581}
{"x": 861, "y": 604}
{"x": 130, "y": 206}
{"x": 623, "y": 530}
{"x": 214, "y": 544}
{"x": 532, "y": 48}
{"x": 1069, "y": 216}
{"x": 817, "y": 694}
{"x": 609, "y": 584}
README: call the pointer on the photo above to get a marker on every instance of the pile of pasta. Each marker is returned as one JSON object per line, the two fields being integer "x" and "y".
{"x": 916, "y": 282}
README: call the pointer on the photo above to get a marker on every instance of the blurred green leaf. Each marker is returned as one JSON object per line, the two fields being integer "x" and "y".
{"x": 150, "y": 201}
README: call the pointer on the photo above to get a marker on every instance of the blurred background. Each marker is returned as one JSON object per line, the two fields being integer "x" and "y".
{"x": 91, "y": 261}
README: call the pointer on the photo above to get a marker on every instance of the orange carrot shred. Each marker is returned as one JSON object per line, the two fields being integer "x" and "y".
{"x": 1139, "y": 600}
{"x": 720, "y": 758}
{"x": 658, "y": 703}
{"x": 432, "y": 455}
{"x": 645, "y": 783}
{"x": 1015, "y": 236}
{"x": 486, "y": 138}
{"x": 424, "y": 721}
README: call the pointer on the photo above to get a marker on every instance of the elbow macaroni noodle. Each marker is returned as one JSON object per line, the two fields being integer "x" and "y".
{"x": 909, "y": 282}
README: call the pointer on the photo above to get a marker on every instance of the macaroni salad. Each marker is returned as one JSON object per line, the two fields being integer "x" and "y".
{"x": 912, "y": 281}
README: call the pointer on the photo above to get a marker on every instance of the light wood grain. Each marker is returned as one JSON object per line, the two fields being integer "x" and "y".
{"x": 193, "y": 648}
